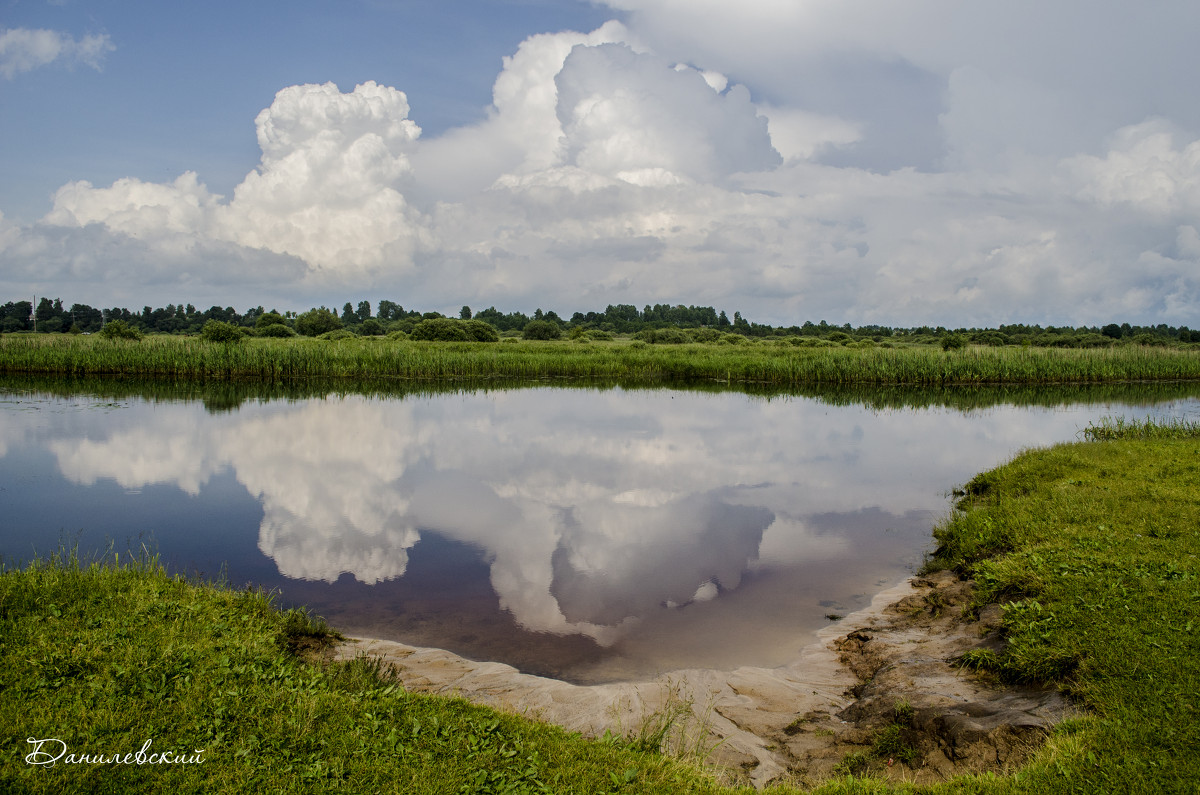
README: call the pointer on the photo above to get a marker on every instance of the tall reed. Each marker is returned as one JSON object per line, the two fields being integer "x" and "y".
{"x": 292, "y": 359}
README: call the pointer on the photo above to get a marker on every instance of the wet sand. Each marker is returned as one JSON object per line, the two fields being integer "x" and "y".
{"x": 798, "y": 721}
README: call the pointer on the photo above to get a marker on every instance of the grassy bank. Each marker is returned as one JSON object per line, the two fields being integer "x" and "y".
{"x": 752, "y": 363}
{"x": 104, "y": 658}
{"x": 1092, "y": 548}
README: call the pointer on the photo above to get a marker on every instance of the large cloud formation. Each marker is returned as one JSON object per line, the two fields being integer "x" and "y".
{"x": 859, "y": 161}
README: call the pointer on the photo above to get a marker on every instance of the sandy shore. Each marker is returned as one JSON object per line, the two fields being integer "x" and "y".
{"x": 796, "y": 722}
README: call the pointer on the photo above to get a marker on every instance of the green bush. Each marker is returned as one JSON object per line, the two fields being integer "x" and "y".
{"x": 662, "y": 336}
{"x": 371, "y": 328}
{"x": 275, "y": 330}
{"x": 218, "y": 331}
{"x": 269, "y": 319}
{"x": 541, "y": 330}
{"x": 120, "y": 330}
{"x": 339, "y": 334}
{"x": 316, "y": 322}
{"x": 481, "y": 331}
{"x": 443, "y": 329}
{"x": 994, "y": 338}
{"x": 952, "y": 342}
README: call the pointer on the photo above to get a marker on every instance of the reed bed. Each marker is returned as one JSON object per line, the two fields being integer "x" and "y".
{"x": 225, "y": 394}
{"x": 274, "y": 360}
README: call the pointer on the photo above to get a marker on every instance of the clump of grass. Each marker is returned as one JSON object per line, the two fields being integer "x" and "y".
{"x": 674, "y": 728}
{"x": 892, "y": 743}
{"x": 1109, "y": 428}
{"x": 854, "y": 763}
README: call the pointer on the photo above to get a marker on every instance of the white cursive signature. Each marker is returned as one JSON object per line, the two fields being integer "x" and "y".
{"x": 51, "y": 750}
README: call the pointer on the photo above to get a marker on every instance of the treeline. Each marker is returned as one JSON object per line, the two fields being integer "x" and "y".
{"x": 651, "y": 323}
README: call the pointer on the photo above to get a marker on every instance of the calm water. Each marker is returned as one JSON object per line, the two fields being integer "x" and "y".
{"x": 588, "y": 534}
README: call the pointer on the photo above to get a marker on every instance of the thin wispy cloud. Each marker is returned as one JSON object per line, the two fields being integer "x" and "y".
{"x": 23, "y": 50}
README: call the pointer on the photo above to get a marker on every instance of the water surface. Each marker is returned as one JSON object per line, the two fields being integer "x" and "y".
{"x": 587, "y": 534}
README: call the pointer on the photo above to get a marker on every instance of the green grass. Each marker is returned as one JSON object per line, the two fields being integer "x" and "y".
{"x": 775, "y": 363}
{"x": 106, "y": 657}
{"x": 1092, "y": 548}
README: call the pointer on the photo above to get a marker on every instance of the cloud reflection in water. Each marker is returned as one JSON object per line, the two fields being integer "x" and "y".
{"x": 627, "y": 517}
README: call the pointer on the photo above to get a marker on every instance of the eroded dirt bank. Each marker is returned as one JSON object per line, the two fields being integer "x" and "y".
{"x": 877, "y": 691}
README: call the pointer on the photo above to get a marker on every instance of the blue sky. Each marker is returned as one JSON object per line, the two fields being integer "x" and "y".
{"x": 184, "y": 81}
{"x": 858, "y": 161}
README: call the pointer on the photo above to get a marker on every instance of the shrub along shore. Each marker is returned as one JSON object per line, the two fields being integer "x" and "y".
{"x": 777, "y": 362}
{"x": 1090, "y": 547}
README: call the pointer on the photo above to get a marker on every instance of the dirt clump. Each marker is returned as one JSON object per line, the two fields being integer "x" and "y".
{"x": 915, "y": 715}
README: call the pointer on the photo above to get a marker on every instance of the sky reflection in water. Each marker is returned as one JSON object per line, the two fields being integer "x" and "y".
{"x": 587, "y": 534}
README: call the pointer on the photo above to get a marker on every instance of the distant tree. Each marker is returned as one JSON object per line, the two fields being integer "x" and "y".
{"x": 1112, "y": 330}
{"x": 364, "y": 311}
{"x": 45, "y": 310}
{"x": 348, "y": 315}
{"x": 316, "y": 322}
{"x": 389, "y": 311}
{"x": 86, "y": 318}
{"x": 15, "y": 316}
{"x": 465, "y": 312}
{"x": 251, "y": 317}
{"x": 371, "y": 328}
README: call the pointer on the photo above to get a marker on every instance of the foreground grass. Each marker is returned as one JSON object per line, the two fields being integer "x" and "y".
{"x": 104, "y": 658}
{"x": 777, "y": 363}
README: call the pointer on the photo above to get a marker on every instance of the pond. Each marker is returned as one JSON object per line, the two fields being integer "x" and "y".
{"x": 589, "y": 534}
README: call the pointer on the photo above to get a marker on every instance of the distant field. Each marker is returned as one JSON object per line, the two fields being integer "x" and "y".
{"x": 775, "y": 362}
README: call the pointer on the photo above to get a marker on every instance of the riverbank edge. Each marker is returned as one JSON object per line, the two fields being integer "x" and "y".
{"x": 793, "y": 725}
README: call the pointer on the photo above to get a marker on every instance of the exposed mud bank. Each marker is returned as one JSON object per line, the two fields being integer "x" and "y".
{"x": 877, "y": 692}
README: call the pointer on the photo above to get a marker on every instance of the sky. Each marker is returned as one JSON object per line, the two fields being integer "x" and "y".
{"x": 857, "y": 161}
